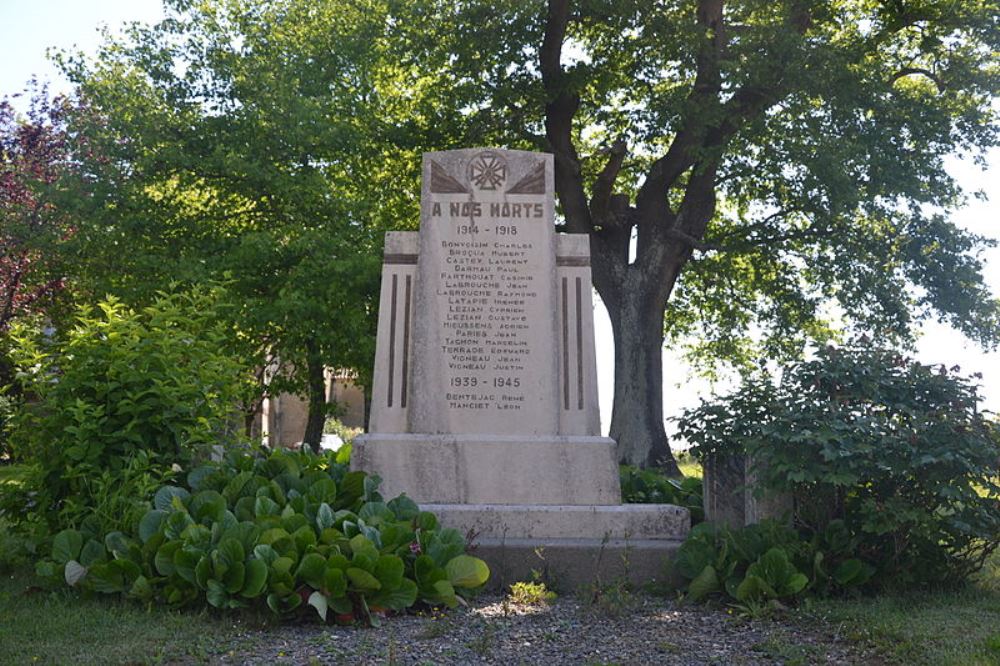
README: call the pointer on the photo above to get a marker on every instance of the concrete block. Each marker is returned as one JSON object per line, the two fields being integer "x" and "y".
{"x": 492, "y": 469}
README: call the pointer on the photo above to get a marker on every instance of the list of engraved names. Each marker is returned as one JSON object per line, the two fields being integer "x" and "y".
{"x": 487, "y": 286}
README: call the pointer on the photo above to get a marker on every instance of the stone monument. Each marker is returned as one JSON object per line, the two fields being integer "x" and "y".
{"x": 484, "y": 400}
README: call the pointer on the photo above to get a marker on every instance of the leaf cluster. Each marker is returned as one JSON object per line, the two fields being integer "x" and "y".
{"x": 648, "y": 486}
{"x": 768, "y": 564}
{"x": 290, "y": 530}
{"x": 123, "y": 394}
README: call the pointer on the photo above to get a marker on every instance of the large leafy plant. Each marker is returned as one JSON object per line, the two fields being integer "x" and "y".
{"x": 895, "y": 451}
{"x": 120, "y": 384}
{"x": 765, "y": 564}
{"x": 291, "y": 530}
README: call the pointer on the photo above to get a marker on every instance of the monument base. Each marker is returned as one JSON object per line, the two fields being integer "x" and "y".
{"x": 571, "y": 546}
{"x": 492, "y": 469}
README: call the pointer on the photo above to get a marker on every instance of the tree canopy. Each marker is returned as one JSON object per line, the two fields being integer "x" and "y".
{"x": 754, "y": 175}
{"x": 240, "y": 137}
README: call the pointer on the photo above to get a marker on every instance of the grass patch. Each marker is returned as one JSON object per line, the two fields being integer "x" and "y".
{"x": 38, "y": 626}
{"x": 688, "y": 464}
{"x": 946, "y": 628}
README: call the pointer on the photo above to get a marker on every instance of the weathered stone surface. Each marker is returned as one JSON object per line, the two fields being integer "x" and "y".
{"x": 733, "y": 497}
{"x": 724, "y": 495}
{"x": 486, "y": 328}
{"x": 492, "y": 469}
{"x": 568, "y": 565}
{"x": 391, "y": 388}
{"x": 635, "y": 522}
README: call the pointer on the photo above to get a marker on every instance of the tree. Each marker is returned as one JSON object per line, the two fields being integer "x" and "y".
{"x": 34, "y": 162}
{"x": 33, "y": 158}
{"x": 763, "y": 167}
{"x": 241, "y": 144}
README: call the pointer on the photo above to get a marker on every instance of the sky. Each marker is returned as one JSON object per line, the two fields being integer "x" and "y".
{"x": 28, "y": 29}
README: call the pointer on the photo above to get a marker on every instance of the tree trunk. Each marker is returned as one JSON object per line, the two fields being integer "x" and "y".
{"x": 637, "y": 414}
{"x": 317, "y": 398}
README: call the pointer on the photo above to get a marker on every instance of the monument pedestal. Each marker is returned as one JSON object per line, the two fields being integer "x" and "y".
{"x": 571, "y": 545}
{"x": 484, "y": 401}
{"x": 492, "y": 469}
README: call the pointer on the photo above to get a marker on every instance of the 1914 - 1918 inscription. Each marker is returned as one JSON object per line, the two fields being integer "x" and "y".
{"x": 486, "y": 295}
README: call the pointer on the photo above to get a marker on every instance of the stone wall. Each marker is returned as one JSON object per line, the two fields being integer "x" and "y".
{"x": 282, "y": 421}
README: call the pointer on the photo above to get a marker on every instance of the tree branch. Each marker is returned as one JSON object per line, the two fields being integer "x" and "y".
{"x": 910, "y": 71}
{"x": 680, "y": 156}
{"x": 559, "y": 113}
{"x": 691, "y": 241}
{"x": 604, "y": 185}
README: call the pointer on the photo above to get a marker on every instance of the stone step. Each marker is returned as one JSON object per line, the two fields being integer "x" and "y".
{"x": 560, "y": 521}
{"x": 571, "y": 565}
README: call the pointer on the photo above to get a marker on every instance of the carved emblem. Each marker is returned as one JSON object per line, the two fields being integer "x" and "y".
{"x": 532, "y": 183}
{"x": 443, "y": 183}
{"x": 487, "y": 170}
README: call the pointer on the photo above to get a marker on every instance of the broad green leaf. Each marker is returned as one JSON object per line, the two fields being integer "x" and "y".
{"x": 150, "y": 524}
{"x": 256, "y": 579}
{"x": 66, "y": 546}
{"x": 399, "y": 598}
{"x": 163, "y": 499}
{"x": 704, "y": 584}
{"x": 361, "y": 580}
{"x": 389, "y": 571}
{"x": 324, "y": 517}
{"x": 311, "y": 570}
{"x": 467, "y": 571}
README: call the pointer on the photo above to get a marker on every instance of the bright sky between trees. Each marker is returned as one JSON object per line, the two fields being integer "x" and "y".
{"x": 30, "y": 28}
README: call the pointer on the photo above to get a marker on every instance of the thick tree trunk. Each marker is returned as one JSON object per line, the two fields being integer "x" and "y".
{"x": 317, "y": 398}
{"x": 637, "y": 415}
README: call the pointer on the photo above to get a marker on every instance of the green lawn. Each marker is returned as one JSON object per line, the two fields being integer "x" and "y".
{"x": 40, "y": 626}
{"x": 943, "y": 628}
{"x": 44, "y": 627}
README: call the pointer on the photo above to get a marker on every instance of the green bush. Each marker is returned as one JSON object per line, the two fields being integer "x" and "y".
{"x": 767, "y": 563}
{"x": 122, "y": 390}
{"x": 647, "y": 486}
{"x": 290, "y": 530}
{"x": 894, "y": 451}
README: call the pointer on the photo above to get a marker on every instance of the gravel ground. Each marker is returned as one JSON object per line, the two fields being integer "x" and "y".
{"x": 630, "y": 629}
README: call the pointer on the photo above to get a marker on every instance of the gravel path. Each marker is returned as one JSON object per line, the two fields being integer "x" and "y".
{"x": 636, "y": 629}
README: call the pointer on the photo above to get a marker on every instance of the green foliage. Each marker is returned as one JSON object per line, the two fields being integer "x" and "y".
{"x": 8, "y": 407}
{"x": 762, "y": 565}
{"x": 533, "y": 593}
{"x": 886, "y": 457}
{"x": 289, "y": 531}
{"x": 648, "y": 486}
{"x": 241, "y": 131}
{"x": 122, "y": 397}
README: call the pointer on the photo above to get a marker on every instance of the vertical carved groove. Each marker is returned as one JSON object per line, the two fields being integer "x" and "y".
{"x": 406, "y": 343}
{"x": 392, "y": 337}
{"x": 565, "y": 342}
{"x": 579, "y": 343}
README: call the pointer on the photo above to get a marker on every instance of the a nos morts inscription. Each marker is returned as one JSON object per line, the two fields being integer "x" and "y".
{"x": 486, "y": 295}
